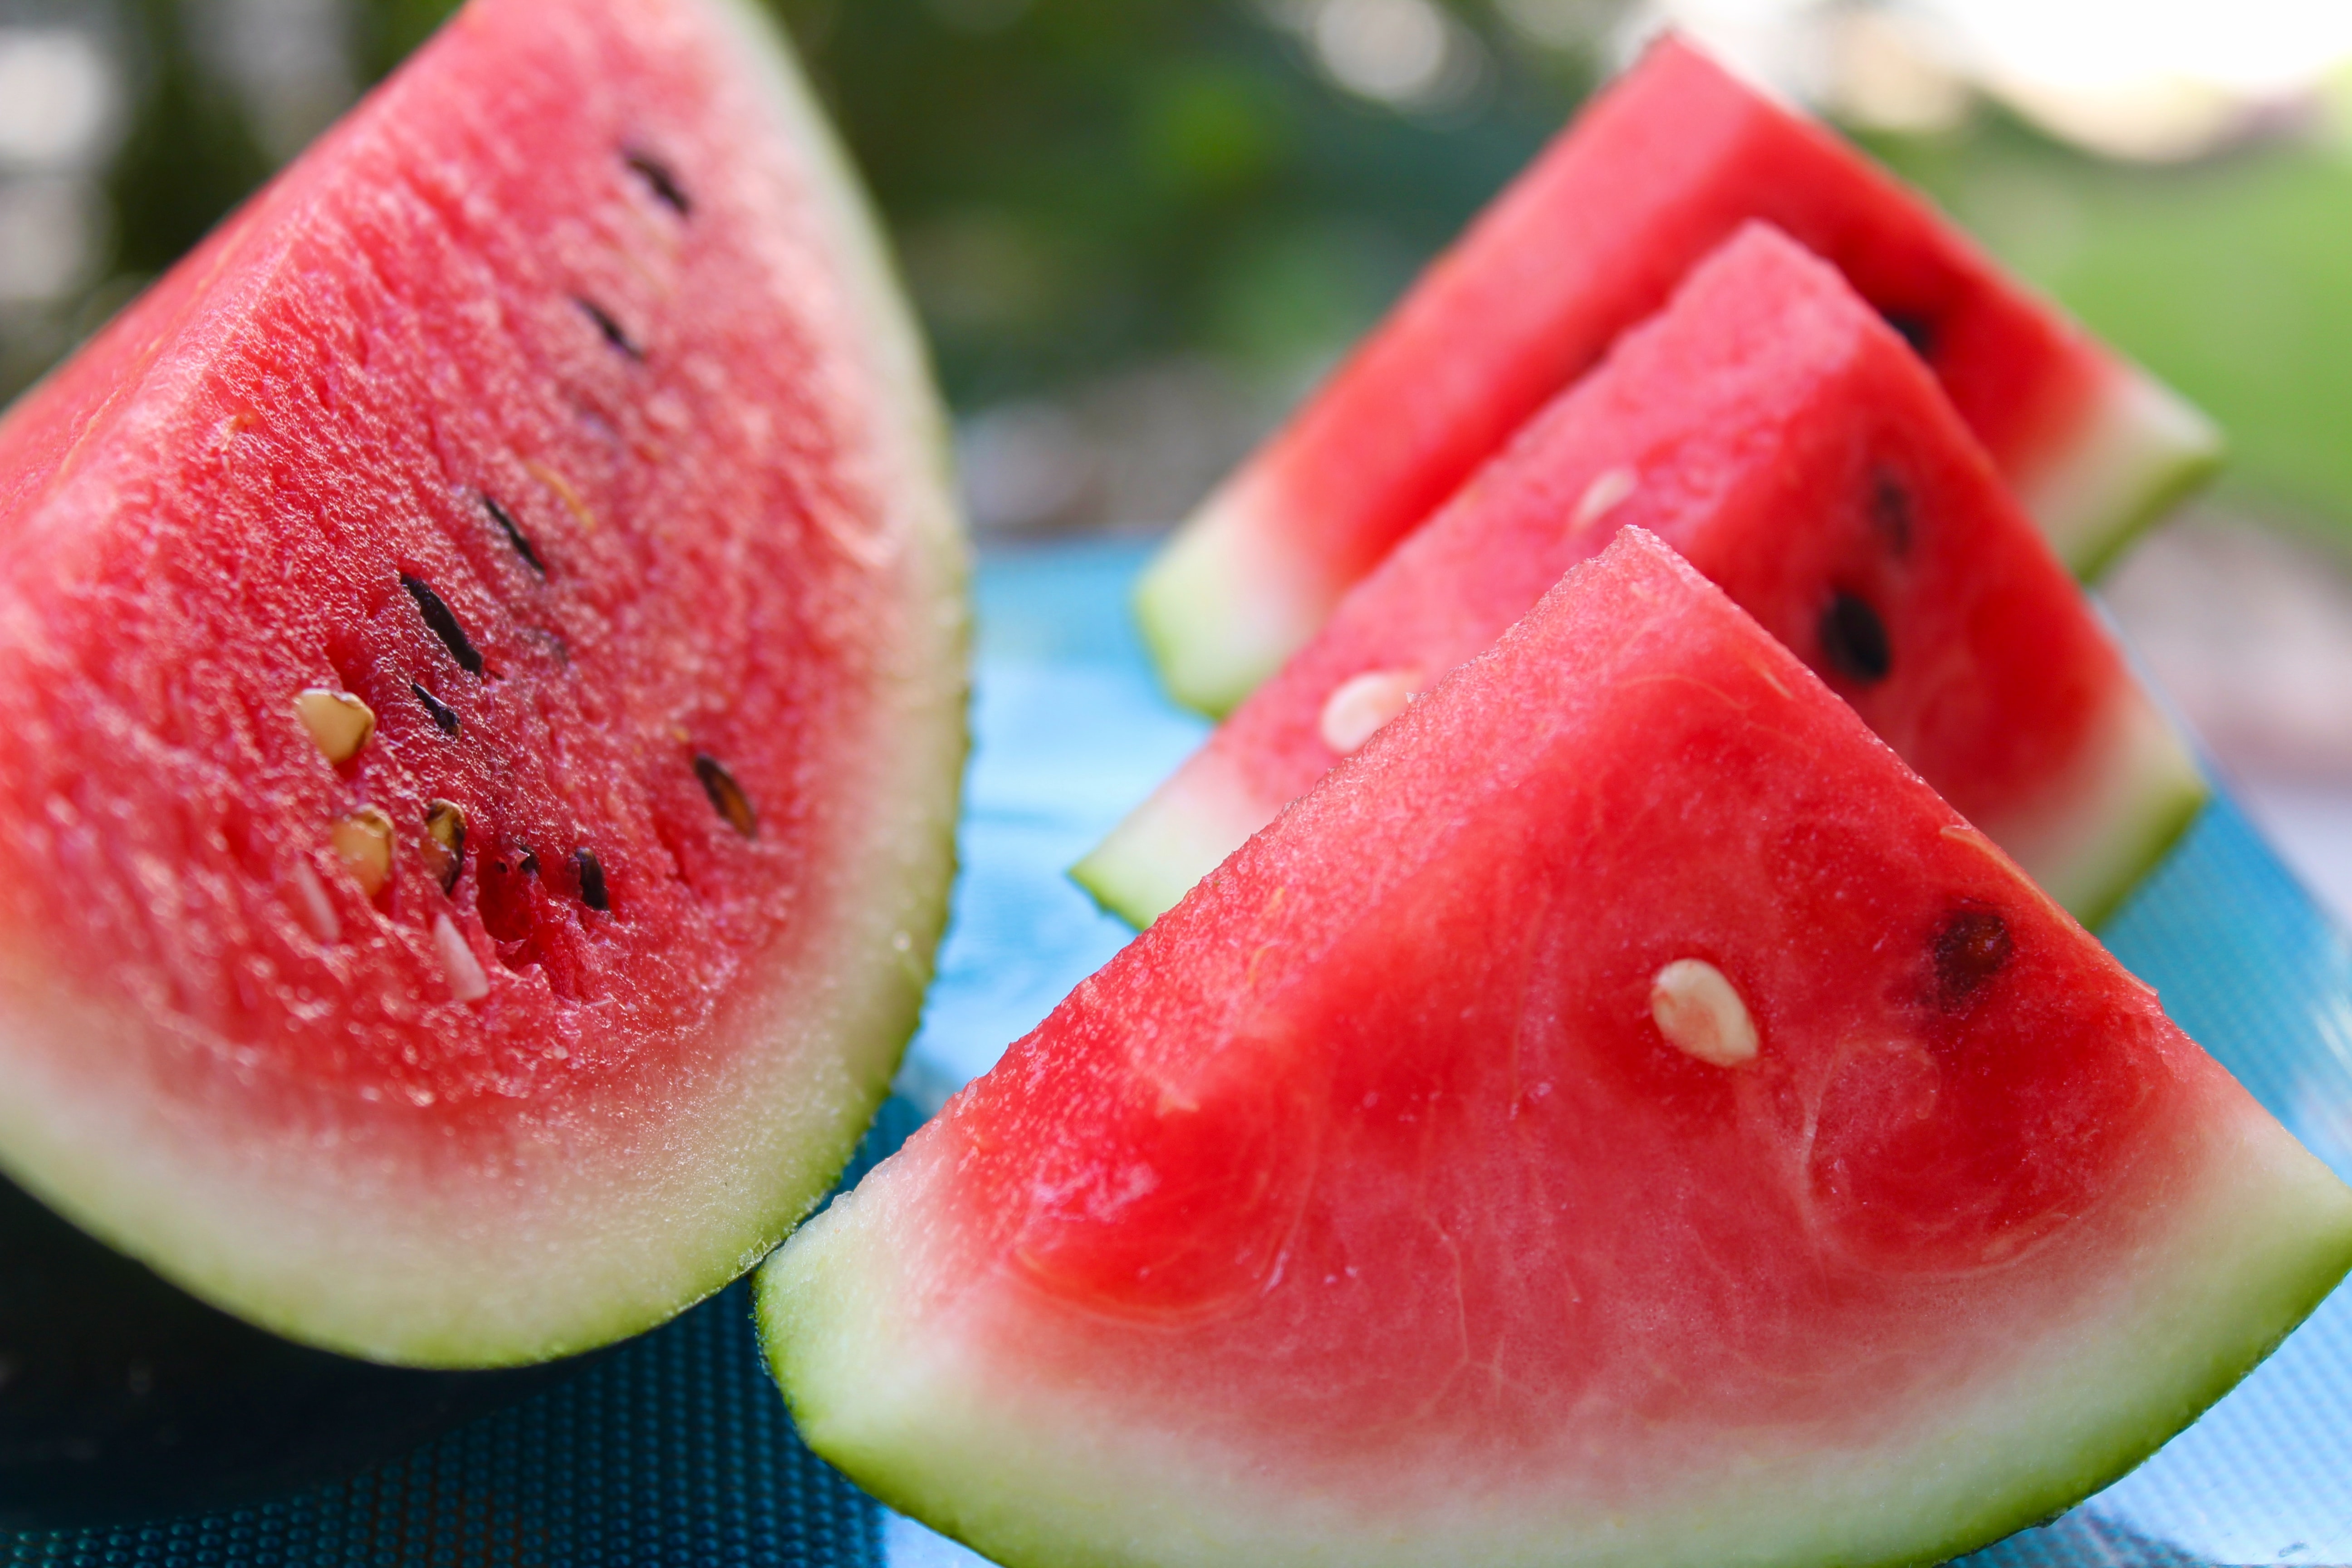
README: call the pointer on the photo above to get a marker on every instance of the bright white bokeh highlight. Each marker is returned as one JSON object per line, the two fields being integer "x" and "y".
{"x": 58, "y": 98}
{"x": 2155, "y": 79}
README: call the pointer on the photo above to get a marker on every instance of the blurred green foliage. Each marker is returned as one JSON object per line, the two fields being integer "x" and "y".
{"x": 1076, "y": 184}
{"x": 2230, "y": 278}
{"x": 189, "y": 155}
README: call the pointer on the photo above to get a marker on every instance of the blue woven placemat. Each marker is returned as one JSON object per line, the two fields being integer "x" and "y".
{"x": 677, "y": 1449}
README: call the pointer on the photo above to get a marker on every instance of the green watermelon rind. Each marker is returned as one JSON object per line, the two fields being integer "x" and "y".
{"x": 1218, "y": 612}
{"x": 1034, "y": 1480}
{"x": 1158, "y": 850}
{"x": 708, "y": 1202}
{"x": 2144, "y": 449}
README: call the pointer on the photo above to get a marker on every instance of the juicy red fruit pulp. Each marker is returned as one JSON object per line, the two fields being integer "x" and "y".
{"x": 539, "y": 580}
{"x": 480, "y": 706}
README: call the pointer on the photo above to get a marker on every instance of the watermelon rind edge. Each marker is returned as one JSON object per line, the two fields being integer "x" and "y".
{"x": 1035, "y": 1478}
{"x": 2143, "y": 449}
{"x": 2153, "y": 789}
{"x": 99, "y": 1168}
{"x": 1218, "y": 608}
{"x": 1151, "y": 859}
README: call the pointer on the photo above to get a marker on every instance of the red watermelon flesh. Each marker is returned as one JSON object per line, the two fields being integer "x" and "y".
{"x": 557, "y": 409}
{"x": 1783, "y": 438}
{"x": 1589, "y": 240}
{"x": 1620, "y": 1116}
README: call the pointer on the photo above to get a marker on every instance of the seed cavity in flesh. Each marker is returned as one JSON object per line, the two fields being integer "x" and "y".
{"x": 609, "y": 327}
{"x": 1608, "y": 490}
{"x": 444, "y": 841}
{"x": 443, "y": 714}
{"x": 515, "y": 536}
{"x": 1890, "y": 512}
{"x": 1853, "y": 639}
{"x": 727, "y": 796}
{"x": 1700, "y": 1014}
{"x": 339, "y": 723}
{"x": 1970, "y": 947}
{"x": 659, "y": 180}
{"x": 1360, "y": 704}
{"x": 463, "y": 971}
{"x": 363, "y": 842}
{"x": 1915, "y": 328}
{"x": 442, "y": 622}
{"x": 591, "y": 872}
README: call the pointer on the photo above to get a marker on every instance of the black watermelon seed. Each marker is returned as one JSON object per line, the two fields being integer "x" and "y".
{"x": 443, "y": 623}
{"x": 529, "y": 865}
{"x": 610, "y": 328}
{"x": 443, "y": 714}
{"x": 1855, "y": 639}
{"x": 514, "y": 535}
{"x": 592, "y": 879}
{"x": 1971, "y": 946}
{"x": 1890, "y": 512}
{"x": 656, "y": 176}
{"x": 727, "y": 796}
{"x": 1916, "y": 329}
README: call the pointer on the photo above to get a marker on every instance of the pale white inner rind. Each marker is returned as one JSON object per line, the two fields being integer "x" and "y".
{"x": 885, "y": 1382}
{"x": 2134, "y": 792}
{"x": 1181, "y": 833}
{"x": 579, "y": 1226}
{"x": 1221, "y": 606}
{"x": 2142, "y": 447}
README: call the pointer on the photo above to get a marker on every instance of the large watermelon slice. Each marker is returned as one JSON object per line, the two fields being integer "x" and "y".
{"x": 1589, "y": 240}
{"x": 1774, "y": 430}
{"x": 480, "y": 706}
{"x": 1622, "y": 1115}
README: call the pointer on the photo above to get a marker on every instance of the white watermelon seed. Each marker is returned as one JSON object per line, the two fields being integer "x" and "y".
{"x": 1700, "y": 1014}
{"x": 458, "y": 964}
{"x": 1608, "y": 488}
{"x": 363, "y": 842}
{"x": 317, "y": 909}
{"x": 1360, "y": 704}
{"x": 338, "y": 722}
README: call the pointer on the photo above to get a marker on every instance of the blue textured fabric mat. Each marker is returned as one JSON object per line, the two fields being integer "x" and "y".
{"x": 676, "y": 1448}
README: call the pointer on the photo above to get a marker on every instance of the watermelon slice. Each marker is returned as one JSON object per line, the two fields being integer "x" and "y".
{"x": 1622, "y": 1115}
{"x": 481, "y": 702}
{"x": 1774, "y": 430}
{"x": 1592, "y": 238}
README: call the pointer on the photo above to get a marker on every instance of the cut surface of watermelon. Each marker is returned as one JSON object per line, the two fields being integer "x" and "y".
{"x": 1591, "y": 239}
{"x": 1620, "y": 1116}
{"x": 481, "y": 680}
{"x": 1783, "y": 438}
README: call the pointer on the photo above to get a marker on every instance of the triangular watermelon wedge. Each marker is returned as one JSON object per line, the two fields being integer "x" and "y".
{"x": 1620, "y": 1116}
{"x": 481, "y": 692}
{"x": 1591, "y": 239}
{"x": 1788, "y": 444}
